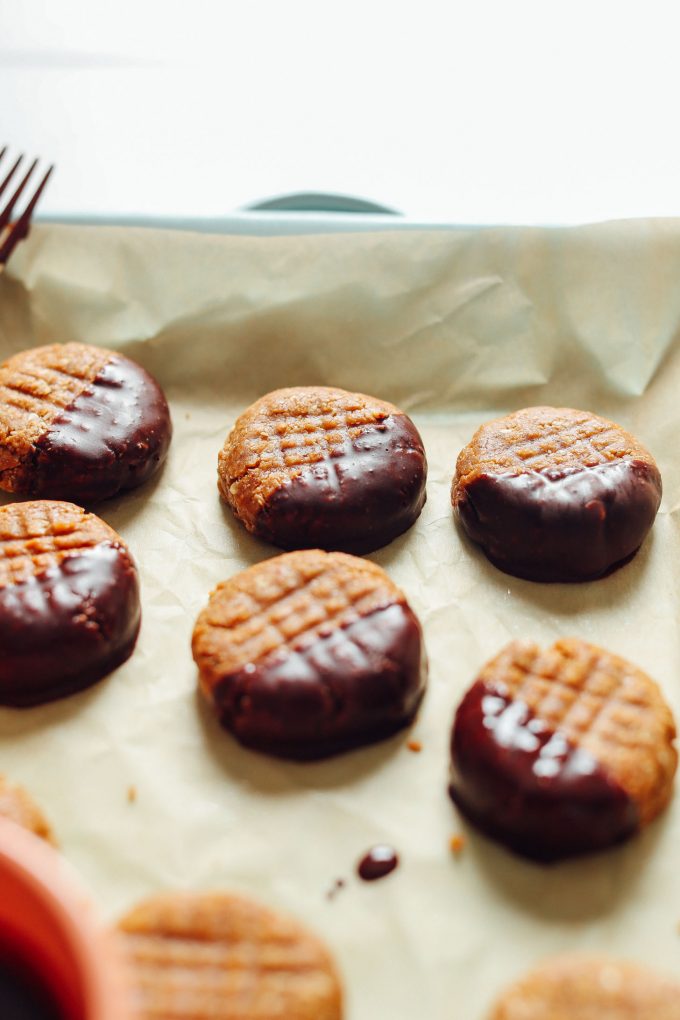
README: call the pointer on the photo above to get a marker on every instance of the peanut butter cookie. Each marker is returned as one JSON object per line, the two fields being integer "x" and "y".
{"x": 316, "y": 467}
{"x": 554, "y": 494}
{"x": 79, "y": 423}
{"x": 561, "y": 751}
{"x": 220, "y": 956}
{"x": 309, "y": 654}
{"x": 69, "y": 601}
{"x": 590, "y": 988}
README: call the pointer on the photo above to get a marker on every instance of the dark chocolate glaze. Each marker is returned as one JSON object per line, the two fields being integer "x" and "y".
{"x": 113, "y": 437}
{"x": 22, "y": 995}
{"x": 561, "y": 526}
{"x": 356, "y": 501}
{"x": 68, "y": 627}
{"x": 380, "y": 860}
{"x": 527, "y": 786}
{"x": 355, "y": 685}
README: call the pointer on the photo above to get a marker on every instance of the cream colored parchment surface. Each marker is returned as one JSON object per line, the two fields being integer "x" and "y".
{"x": 455, "y": 327}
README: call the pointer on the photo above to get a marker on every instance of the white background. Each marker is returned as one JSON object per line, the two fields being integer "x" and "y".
{"x": 460, "y": 112}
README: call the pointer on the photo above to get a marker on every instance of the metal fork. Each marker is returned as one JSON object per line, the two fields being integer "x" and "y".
{"x": 11, "y": 232}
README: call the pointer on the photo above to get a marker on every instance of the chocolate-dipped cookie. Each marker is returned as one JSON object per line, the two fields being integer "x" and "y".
{"x": 221, "y": 956}
{"x": 309, "y": 654}
{"x": 79, "y": 423}
{"x": 316, "y": 467}
{"x": 555, "y": 494}
{"x": 18, "y": 805}
{"x": 561, "y": 751}
{"x": 590, "y": 988}
{"x": 69, "y": 601}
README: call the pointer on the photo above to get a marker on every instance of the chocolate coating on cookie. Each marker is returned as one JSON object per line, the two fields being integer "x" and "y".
{"x": 79, "y": 423}
{"x": 561, "y": 752}
{"x": 310, "y": 654}
{"x": 222, "y": 956}
{"x": 353, "y": 686}
{"x": 590, "y": 988}
{"x": 555, "y": 494}
{"x": 502, "y": 751}
{"x": 69, "y": 601}
{"x": 316, "y": 467}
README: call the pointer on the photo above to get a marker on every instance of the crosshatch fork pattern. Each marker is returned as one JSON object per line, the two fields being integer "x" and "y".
{"x": 288, "y": 602}
{"x": 298, "y": 438}
{"x": 544, "y": 438}
{"x": 286, "y": 432}
{"x": 35, "y": 387}
{"x": 598, "y": 701}
{"x": 220, "y": 955}
{"x": 46, "y": 380}
{"x": 35, "y": 536}
{"x": 199, "y": 977}
{"x": 44, "y": 393}
{"x": 590, "y": 440}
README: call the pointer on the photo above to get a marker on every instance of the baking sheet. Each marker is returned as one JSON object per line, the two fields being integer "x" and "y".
{"x": 454, "y": 327}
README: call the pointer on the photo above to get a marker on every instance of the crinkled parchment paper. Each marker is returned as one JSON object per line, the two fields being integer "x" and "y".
{"x": 454, "y": 327}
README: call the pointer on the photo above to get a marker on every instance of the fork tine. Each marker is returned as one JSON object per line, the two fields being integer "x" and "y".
{"x": 20, "y": 229}
{"x": 3, "y": 151}
{"x": 6, "y": 213}
{"x": 11, "y": 173}
{"x": 28, "y": 211}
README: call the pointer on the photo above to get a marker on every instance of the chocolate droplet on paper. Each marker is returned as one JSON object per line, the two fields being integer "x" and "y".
{"x": 378, "y": 862}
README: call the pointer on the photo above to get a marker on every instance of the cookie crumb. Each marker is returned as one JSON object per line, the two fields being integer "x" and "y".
{"x": 456, "y": 844}
{"x": 17, "y": 805}
{"x": 132, "y": 794}
{"x": 415, "y": 746}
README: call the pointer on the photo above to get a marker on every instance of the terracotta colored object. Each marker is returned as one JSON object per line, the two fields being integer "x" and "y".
{"x": 48, "y": 925}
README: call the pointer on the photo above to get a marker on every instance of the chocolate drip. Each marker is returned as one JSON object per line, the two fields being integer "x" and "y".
{"x": 528, "y": 786}
{"x": 380, "y": 860}
{"x": 355, "y": 685}
{"x": 113, "y": 437}
{"x": 68, "y": 627}
{"x": 561, "y": 526}
{"x": 355, "y": 501}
